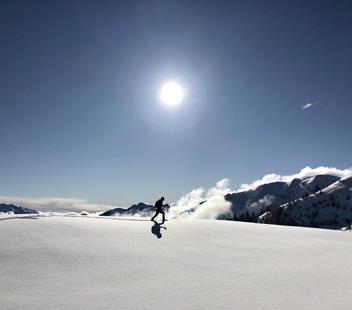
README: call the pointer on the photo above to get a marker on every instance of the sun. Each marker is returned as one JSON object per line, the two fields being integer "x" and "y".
{"x": 172, "y": 93}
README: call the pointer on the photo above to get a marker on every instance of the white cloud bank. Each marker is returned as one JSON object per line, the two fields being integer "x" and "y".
{"x": 203, "y": 204}
{"x": 55, "y": 204}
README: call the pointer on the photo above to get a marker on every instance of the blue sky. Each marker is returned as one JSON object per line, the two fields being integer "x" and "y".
{"x": 79, "y": 83}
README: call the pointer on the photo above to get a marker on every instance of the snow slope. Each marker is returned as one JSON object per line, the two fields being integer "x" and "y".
{"x": 106, "y": 263}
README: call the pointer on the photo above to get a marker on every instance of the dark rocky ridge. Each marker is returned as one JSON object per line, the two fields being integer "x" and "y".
{"x": 15, "y": 209}
{"x": 136, "y": 209}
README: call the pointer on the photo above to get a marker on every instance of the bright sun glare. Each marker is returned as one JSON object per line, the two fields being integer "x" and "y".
{"x": 172, "y": 93}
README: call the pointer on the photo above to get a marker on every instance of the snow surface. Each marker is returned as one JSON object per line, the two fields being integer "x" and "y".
{"x": 106, "y": 263}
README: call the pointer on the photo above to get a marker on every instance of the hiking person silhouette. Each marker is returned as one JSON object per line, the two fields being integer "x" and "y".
{"x": 159, "y": 209}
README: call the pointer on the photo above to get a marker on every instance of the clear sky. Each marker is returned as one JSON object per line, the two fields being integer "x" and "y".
{"x": 269, "y": 89}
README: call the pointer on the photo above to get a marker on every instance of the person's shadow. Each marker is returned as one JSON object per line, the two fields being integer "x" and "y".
{"x": 156, "y": 229}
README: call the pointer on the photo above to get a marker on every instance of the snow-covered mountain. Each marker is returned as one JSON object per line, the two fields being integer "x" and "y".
{"x": 315, "y": 201}
{"x": 141, "y": 209}
{"x": 254, "y": 200}
{"x": 330, "y": 207}
{"x": 6, "y": 208}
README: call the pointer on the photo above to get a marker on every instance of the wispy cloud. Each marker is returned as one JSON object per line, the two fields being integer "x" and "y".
{"x": 308, "y": 105}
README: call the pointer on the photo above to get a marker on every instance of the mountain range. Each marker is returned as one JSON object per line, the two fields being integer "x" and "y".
{"x": 322, "y": 201}
{"x": 317, "y": 200}
{"x": 5, "y": 208}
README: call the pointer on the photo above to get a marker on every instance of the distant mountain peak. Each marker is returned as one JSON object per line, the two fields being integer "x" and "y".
{"x": 16, "y": 209}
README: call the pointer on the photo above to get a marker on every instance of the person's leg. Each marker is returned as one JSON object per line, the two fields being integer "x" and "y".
{"x": 155, "y": 215}
{"x": 163, "y": 213}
